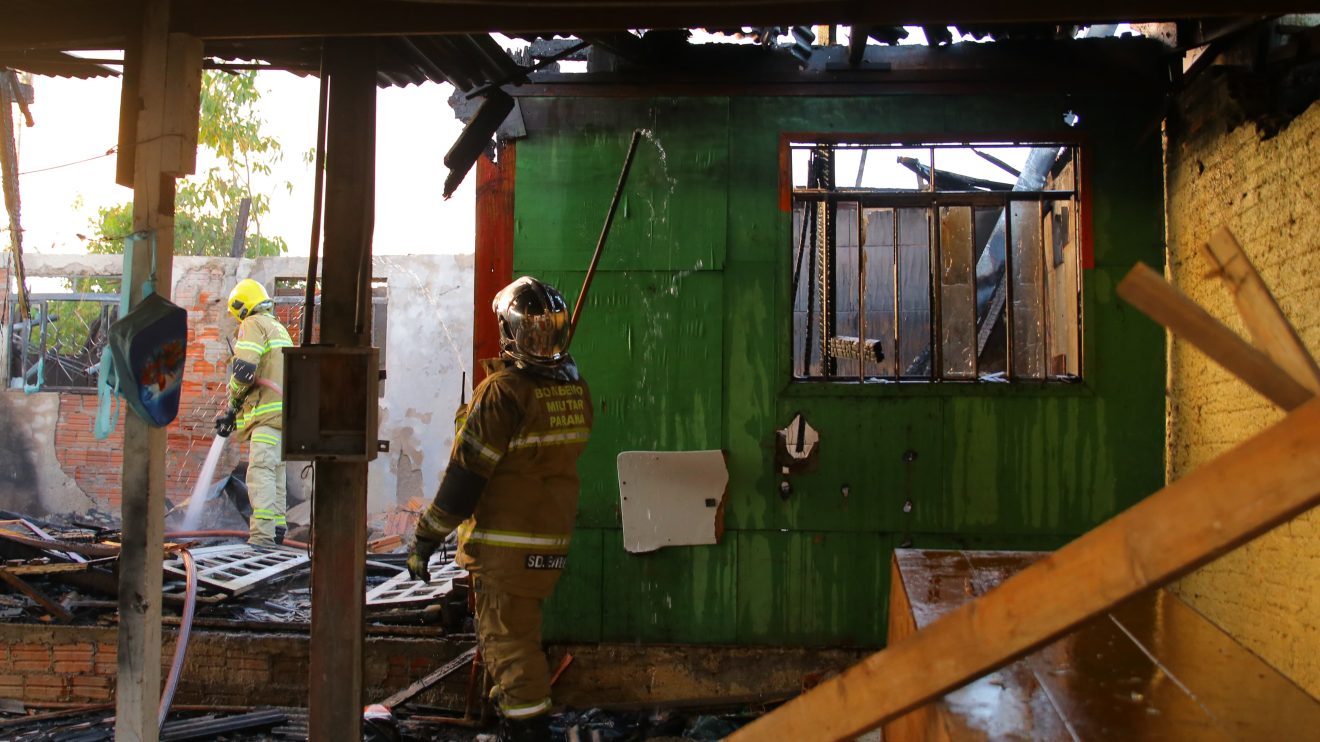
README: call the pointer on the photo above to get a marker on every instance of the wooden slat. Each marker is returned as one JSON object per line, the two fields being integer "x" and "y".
{"x": 1250, "y": 699}
{"x": 1148, "y": 291}
{"x": 1270, "y": 330}
{"x": 183, "y": 91}
{"x": 53, "y": 608}
{"x": 1261, "y": 483}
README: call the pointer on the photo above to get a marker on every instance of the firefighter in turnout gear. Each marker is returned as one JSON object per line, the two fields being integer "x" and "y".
{"x": 256, "y": 406}
{"x": 511, "y": 491}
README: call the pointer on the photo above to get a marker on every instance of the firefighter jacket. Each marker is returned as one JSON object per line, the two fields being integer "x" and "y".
{"x": 260, "y": 347}
{"x": 523, "y": 433}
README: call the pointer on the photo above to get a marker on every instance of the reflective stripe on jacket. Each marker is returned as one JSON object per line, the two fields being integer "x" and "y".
{"x": 524, "y": 434}
{"x": 261, "y": 342}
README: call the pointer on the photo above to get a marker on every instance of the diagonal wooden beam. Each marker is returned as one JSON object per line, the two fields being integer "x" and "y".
{"x": 1260, "y": 484}
{"x": 1269, "y": 327}
{"x": 1148, "y": 291}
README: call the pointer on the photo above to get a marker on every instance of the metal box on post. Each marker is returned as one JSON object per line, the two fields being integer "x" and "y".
{"x": 331, "y": 403}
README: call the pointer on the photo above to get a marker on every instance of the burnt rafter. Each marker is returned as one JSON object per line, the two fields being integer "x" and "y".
{"x": 89, "y": 24}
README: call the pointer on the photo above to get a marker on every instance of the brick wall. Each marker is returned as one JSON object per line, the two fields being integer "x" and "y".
{"x": 79, "y": 664}
{"x": 96, "y": 465}
{"x": 1268, "y": 192}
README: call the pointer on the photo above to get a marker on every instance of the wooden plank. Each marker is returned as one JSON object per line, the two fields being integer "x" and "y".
{"x": 1148, "y": 291}
{"x": 494, "y": 251}
{"x": 1270, "y": 330}
{"x": 53, "y": 608}
{"x": 1251, "y": 699}
{"x": 1106, "y": 687}
{"x": 1261, "y": 483}
{"x": 183, "y": 93}
{"x": 339, "y": 535}
{"x": 440, "y": 673}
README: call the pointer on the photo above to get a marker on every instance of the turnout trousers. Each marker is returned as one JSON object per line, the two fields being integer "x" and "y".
{"x": 509, "y": 630}
{"x": 266, "y": 486}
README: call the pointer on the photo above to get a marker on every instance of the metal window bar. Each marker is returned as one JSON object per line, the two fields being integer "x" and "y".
{"x": 829, "y": 267}
{"x": 861, "y": 291}
{"x": 936, "y": 297}
{"x": 898, "y": 303}
{"x": 1046, "y": 305}
{"x": 976, "y": 346}
{"x": 29, "y": 359}
{"x": 1008, "y": 293}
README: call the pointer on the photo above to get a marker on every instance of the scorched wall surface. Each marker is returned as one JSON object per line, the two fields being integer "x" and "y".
{"x": 685, "y": 340}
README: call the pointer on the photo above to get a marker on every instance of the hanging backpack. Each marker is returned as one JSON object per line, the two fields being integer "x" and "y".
{"x": 144, "y": 358}
{"x": 149, "y": 346}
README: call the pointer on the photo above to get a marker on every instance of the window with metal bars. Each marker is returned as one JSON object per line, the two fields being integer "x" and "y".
{"x": 936, "y": 262}
{"x": 58, "y": 347}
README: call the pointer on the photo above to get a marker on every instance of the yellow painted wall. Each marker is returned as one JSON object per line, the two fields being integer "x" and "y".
{"x": 1267, "y": 594}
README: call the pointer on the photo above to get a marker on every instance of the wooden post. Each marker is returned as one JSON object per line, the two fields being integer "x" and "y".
{"x": 494, "y": 255}
{"x": 1254, "y": 487}
{"x": 339, "y": 534}
{"x": 1148, "y": 291}
{"x": 166, "y": 125}
{"x": 1270, "y": 330}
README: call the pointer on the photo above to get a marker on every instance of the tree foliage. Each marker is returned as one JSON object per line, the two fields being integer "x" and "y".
{"x": 207, "y": 204}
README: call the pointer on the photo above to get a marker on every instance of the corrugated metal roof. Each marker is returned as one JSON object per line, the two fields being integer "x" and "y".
{"x": 54, "y": 64}
{"x": 466, "y": 60}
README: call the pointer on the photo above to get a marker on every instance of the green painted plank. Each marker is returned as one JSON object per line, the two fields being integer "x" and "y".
{"x": 650, "y": 357}
{"x": 683, "y": 594}
{"x": 573, "y": 613}
{"x": 804, "y": 588}
{"x": 888, "y": 457}
{"x": 672, "y": 215}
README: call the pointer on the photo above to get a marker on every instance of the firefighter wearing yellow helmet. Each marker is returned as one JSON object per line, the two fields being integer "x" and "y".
{"x": 511, "y": 491}
{"x": 256, "y": 406}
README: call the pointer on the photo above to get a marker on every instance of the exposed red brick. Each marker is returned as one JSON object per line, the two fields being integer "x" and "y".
{"x": 75, "y": 666}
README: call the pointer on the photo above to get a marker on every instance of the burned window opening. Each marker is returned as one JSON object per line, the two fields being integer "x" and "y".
{"x": 58, "y": 349}
{"x": 899, "y": 268}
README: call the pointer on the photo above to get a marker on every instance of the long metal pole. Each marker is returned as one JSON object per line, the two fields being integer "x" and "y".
{"x": 604, "y": 233}
{"x": 318, "y": 197}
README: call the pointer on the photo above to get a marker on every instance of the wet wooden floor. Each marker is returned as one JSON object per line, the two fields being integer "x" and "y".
{"x": 1151, "y": 669}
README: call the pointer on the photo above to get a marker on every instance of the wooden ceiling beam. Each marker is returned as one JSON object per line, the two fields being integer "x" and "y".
{"x": 89, "y": 24}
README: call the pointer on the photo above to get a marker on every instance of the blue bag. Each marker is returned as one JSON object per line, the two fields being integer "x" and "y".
{"x": 149, "y": 346}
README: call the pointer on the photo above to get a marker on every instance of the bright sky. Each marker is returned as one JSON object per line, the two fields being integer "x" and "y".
{"x": 79, "y": 119}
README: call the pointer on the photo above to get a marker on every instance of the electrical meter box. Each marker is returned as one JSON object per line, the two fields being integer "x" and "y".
{"x": 331, "y": 403}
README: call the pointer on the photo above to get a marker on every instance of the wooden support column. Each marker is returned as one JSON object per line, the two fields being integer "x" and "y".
{"x": 493, "y": 266}
{"x": 168, "y": 80}
{"x": 339, "y": 533}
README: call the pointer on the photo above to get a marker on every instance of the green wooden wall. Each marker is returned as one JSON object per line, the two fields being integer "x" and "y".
{"x": 685, "y": 341}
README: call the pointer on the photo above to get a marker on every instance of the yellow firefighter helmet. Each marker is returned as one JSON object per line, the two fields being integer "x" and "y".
{"x": 246, "y": 297}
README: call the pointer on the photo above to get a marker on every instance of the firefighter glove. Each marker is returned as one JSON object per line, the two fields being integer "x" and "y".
{"x": 419, "y": 556}
{"x": 225, "y": 422}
